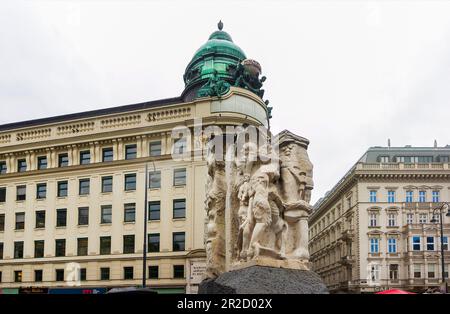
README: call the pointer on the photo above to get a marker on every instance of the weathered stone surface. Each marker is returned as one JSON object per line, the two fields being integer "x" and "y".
{"x": 264, "y": 280}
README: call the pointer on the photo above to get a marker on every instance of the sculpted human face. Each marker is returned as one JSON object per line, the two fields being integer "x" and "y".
{"x": 287, "y": 150}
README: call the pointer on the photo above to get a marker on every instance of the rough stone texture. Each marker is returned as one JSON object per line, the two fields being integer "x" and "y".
{"x": 264, "y": 280}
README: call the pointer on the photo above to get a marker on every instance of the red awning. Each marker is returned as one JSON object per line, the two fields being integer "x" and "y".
{"x": 394, "y": 291}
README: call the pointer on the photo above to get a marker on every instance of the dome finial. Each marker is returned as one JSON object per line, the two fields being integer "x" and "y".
{"x": 220, "y": 25}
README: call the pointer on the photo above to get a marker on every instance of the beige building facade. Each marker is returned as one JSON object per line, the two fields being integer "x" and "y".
{"x": 374, "y": 231}
{"x": 72, "y": 190}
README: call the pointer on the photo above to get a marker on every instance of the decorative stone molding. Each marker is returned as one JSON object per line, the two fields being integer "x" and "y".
{"x": 33, "y": 134}
{"x": 75, "y": 128}
{"x": 168, "y": 114}
{"x": 6, "y": 138}
{"x": 120, "y": 121}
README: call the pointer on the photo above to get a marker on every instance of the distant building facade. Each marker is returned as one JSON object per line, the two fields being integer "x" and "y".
{"x": 373, "y": 230}
{"x": 72, "y": 187}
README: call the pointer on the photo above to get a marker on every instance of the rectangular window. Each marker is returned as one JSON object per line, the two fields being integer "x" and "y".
{"x": 422, "y": 196}
{"x": 417, "y": 271}
{"x": 63, "y": 160}
{"x": 392, "y": 245}
{"x": 59, "y": 275}
{"x": 62, "y": 188}
{"x": 107, "y": 154}
{"x": 60, "y": 247}
{"x": 41, "y": 190}
{"x": 20, "y": 221}
{"x": 85, "y": 157}
{"x": 3, "y": 167}
{"x": 130, "y": 212}
{"x": 431, "y": 271}
{"x": 83, "y": 216}
{"x": 128, "y": 244}
{"x": 384, "y": 159}
{"x": 154, "y": 210}
{"x": 178, "y": 271}
{"x": 444, "y": 158}
{"x": 416, "y": 243}
{"x": 179, "y": 177}
{"x": 1, "y": 251}
{"x": 153, "y": 242}
{"x": 105, "y": 245}
{"x": 130, "y": 151}
{"x": 430, "y": 243}
{"x": 17, "y": 276}
{"x": 409, "y": 196}
{"x": 40, "y": 219}
{"x": 179, "y": 208}
{"x": 373, "y": 196}
{"x": 61, "y": 217}
{"x": 107, "y": 184}
{"x": 130, "y": 182}
{"x": 391, "y": 196}
{"x": 39, "y": 248}
{"x": 82, "y": 246}
{"x": 373, "y": 219}
{"x": 2, "y": 195}
{"x": 155, "y": 148}
{"x": 393, "y": 271}
{"x": 84, "y": 186}
{"x": 21, "y": 165}
{"x": 38, "y": 275}
{"x": 18, "y": 249}
{"x": 82, "y": 274}
{"x": 42, "y": 162}
{"x": 410, "y": 218}
{"x": 153, "y": 272}
{"x": 445, "y": 243}
{"x": 2, "y": 222}
{"x": 392, "y": 220}
{"x": 178, "y": 239}
{"x": 423, "y": 218}
{"x": 374, "y": 245}
{"x": 104, "y": 273}
{"x": 106, "y": 214}
{"x": 180, "y": 146}
{"x": 155, "y": 179}
{"x": 436, "y": 196}
{"x": 21, "y": 193}
{"x": 375, "y": 273}
{"x": 128, "y": 273}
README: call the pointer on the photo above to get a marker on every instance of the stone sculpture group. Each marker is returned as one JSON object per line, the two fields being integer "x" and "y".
{"x": 257, "y": 203}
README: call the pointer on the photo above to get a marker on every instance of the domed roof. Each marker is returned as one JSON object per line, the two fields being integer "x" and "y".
{"x": 219, "y": 56}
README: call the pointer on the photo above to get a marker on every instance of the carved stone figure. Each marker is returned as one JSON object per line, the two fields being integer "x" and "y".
{"x": 258, "y": 205}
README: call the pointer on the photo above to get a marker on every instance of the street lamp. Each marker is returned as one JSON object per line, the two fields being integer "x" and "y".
{"x": 441, "y": 220}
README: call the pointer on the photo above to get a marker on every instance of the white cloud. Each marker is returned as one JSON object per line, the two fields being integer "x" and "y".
{"x": 347, "y": 75}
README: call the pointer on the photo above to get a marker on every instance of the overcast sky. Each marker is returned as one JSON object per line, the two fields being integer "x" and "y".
{"x": 345, "y": 74}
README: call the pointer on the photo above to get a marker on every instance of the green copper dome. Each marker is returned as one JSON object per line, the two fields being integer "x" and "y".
{"x": 218, "y": 58}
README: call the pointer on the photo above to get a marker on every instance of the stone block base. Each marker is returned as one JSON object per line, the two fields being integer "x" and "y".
{"x": 264, "y": 280}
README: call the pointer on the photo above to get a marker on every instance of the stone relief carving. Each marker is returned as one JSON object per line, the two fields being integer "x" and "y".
{"x": 258, "y": 204}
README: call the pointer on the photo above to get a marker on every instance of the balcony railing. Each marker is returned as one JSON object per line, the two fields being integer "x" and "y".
{"x": 402, "y": 166}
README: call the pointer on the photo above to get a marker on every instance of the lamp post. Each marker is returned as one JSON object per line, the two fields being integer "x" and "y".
{"x": 441, "y": 220}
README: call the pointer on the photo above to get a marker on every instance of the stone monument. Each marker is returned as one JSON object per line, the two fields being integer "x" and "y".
{"x": 257, "y": 203}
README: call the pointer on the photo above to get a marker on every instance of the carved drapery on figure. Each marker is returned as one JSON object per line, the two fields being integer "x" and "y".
{"x": 258, "y": 204}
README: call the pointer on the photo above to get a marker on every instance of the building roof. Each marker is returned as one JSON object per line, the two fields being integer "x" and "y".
{"x": 373, "y": 154}
{"x": 92, "y": 113}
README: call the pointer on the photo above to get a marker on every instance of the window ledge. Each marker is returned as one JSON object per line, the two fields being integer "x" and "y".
{"x": 41, "y": 199}
{"x": 82, "y": 226}
{"x": 60, "y": 227}
{"x": 179, "y": 219}
{"x": 106, "y": 193}
{"x": 154, "y": 220}
{"x": 61, "y": 197}
{"x": 129, "y": 191}
{"x": 39, "y": 228}
{"x": 129, "y": 222}
{"x": 105, "y": 224}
